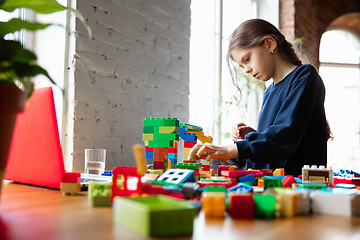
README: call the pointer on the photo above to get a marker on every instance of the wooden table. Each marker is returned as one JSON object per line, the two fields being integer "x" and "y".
{"x": 28, "y": 212}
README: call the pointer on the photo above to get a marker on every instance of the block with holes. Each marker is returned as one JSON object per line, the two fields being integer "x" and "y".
{"x": 177, "y": 176}
{"x": 317, "y": 174}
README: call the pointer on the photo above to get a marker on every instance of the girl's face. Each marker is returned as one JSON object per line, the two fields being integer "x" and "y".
{"x": 257, "y": 61}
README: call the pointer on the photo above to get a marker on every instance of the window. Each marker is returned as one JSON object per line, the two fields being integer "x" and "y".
{"x": 212, "y": 93}
{"x": 339, "y": 68}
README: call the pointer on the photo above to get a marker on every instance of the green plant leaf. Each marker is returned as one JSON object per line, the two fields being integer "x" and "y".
{"x": 39, "y": 6}
{"x": 28, "y": 70}
{"x": 12, "y": 51}
{"x": 43, "y": 7}
{"x": 16, "y": 24}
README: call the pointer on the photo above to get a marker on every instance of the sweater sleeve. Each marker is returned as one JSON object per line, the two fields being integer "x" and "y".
{"x": 279, "y": 140}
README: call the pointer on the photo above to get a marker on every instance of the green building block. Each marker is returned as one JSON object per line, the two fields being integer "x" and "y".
{"x": 272, "y": 182}
{"x": 96, "y": 188}
{"x": 170, "y": 122}
{"x": 215, "y": 189}
{"x": 148, "y": 129}
{"x": 191, "y": 127}
{"x": 157, "y": 171}
{"x": 188, "y": 165}
{"x": 264, "y": 206}
{"x": 151, "y": 122}
{"x": 157, "y": 216}
{"x": 313, "y": 186}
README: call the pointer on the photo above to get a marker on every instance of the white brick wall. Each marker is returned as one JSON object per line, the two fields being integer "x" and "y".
{"x": 136, "y": 65}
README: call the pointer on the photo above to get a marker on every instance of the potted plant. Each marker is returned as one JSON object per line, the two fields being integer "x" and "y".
{"x": 18, "y": 67}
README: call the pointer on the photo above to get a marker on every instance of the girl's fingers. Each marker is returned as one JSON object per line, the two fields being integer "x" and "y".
{"x": 193, "y": 151}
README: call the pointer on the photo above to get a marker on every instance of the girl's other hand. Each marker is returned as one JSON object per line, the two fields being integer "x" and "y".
{"x": 211, "y": 151}
{"x": 239, "y": 131}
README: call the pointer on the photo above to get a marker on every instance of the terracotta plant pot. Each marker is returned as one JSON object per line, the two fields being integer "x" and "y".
{"x": 12, "y": 101}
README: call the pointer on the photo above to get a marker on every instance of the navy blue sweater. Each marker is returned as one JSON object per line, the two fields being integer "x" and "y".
{"x": 292, "y": 130}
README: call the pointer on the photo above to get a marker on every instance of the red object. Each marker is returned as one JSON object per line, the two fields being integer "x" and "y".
{"x": 355, "y": 181}
{"x": 147, "y": 149}
{"x": 288, "y": 180}
{"x": 242, "y": 206}
{"x": 206, "y": 168}
{"x": 189, "y": 144}
{"x": 237, "y": 174}
{"x": 71, "y": 177}
{"x": 172, "y": 150}
{"x": 222, "y": 169}
{"x": 228, "y": 184}
{"x": 121, "y": 177}
{"x": 158, "y": 165}
{"x": 35, "y": 155}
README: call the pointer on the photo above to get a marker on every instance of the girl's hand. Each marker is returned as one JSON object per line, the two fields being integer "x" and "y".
{"x": 210, "y": 151}
{"x": 239, "y": 131}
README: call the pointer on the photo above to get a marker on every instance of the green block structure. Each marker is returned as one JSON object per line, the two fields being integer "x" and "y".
{"x": 272, "y": 182}
{"x": 264, "y": 206}
{"x": 156, "y": 216}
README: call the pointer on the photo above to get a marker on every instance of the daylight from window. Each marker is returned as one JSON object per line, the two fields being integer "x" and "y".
{"x": 339, "y": 68}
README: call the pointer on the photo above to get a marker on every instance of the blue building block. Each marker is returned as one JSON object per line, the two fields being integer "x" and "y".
{"x": 149, "y": 155}
{"x": 248, "y": 178}
{"x": 241, "y": 188}
{"x": 185, "y": 136}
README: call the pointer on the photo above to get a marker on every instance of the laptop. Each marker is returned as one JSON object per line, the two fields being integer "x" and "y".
{"x": 35, "y": 155}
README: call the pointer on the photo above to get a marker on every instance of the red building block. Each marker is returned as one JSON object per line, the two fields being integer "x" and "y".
{"x": 189, "y": 144}
{"x": 288, "y": 180}
{"x": 242, "y": 206}
{"x": 120, "y": 177}
{"x": 71, "y": 177}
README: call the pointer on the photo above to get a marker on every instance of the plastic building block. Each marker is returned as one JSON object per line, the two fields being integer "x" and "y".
{"x": 157, "y": 216}
{"x": 107, "y": 173}
{"x": 317, "y": 174}
{"x": 99, "y": 193}
{"x": 71, "y": 177}
{"x": 288, "y": 181}
{"x": 272, "y": 182}
{"x": 191, "y": 189}
{"x": 227, "y": 184}
{"x": 237, "y": 174}
{"x": 185, "y": 136}
{"x": 215, "y": 189}
{"x": 96, "y": 188}
{"x": 126, "y": 182}
{"x": 189, "y": 165}
{"x": 70, "y": 188}
{"x": 241, "y": 188}
{"x": 248, "y": 178}
{"x": 279, "y": 172}
{"x": 264, "y": 206}
{"x": 140, "y": 159}
{"x": 288, "y": 202}
{"x": 343, "y": 202}
{"x": 241, "y": 206}
{"x": 177, "y": 176}
{"x": 213, "y": 204}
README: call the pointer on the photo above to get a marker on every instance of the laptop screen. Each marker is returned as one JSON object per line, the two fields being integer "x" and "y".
{"x": 35, "y": 155}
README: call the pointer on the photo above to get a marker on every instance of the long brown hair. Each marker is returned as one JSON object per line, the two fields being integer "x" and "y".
{"x": 252, "y": 33}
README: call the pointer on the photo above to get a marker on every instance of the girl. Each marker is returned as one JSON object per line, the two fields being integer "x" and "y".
{"x": 292, "y": 129}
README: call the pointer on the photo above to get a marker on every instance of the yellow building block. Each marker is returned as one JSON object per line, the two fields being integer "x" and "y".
{"x": 213, "y": 204}
{"x": 70, "y": 188}
{"x": 279, "y": 172}
{"x": 168, "y": 129}
{"x": 148, "y": 137}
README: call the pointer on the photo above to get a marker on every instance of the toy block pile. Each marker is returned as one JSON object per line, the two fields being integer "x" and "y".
{"x": 162, "y": 201}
